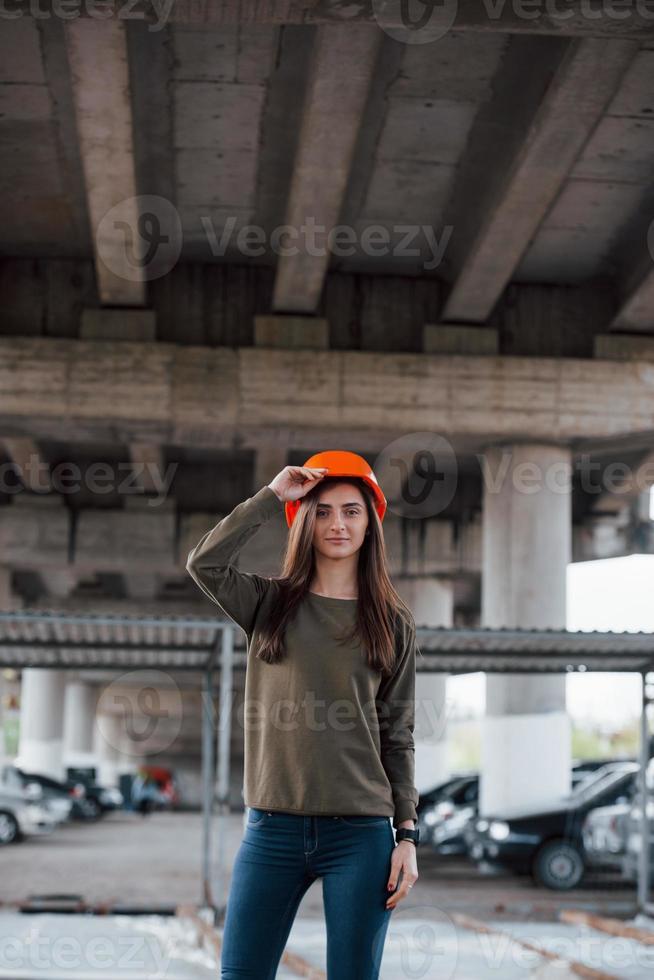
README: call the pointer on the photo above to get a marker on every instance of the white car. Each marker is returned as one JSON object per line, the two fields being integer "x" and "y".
{"x": 22, "y": 815}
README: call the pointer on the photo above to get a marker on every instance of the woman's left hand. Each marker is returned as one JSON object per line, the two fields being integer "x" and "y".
{"x": 403, "y": 860}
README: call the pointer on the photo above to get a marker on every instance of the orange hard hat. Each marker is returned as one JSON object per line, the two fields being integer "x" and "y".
{"x": 342, "y": 463}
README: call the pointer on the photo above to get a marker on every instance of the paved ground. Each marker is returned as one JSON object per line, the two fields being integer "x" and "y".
{"x": 77, "y": 947}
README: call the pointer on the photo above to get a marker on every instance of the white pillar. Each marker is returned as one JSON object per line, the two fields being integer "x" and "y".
{"x": 431, "y": 601}
{"x": 79, "y": 722}
{"x": 109, "y": 742}
{"x": 527, "y": 527}
{"x": 40, "y": 747}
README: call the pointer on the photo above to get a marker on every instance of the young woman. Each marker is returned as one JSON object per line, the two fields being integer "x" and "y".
{"x": 328, "y": 719}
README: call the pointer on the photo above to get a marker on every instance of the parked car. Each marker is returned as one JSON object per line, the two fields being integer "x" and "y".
{"x": 633, "y": 844}
{"x": 56, "y": 797}
{"x": 444, "y": 823}
{"x": 441, "y": 824}
{"x": 22, "y": 813}
{"x": 429, "y": 797}
{"x": 604, "y": 835}
{"x": 547, "y": 843}
{"x": 633, "y": 830}
{"x": 98, "y": 799}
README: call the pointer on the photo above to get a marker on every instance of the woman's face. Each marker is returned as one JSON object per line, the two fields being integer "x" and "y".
{"x": 341, "y": 520}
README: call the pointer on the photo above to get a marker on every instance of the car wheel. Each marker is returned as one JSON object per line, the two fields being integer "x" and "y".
{"x": 558, "y": 865}
{"x": 9, "y": 831}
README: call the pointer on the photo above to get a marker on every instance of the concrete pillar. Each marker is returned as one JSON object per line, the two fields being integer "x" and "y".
{"x": 109, "y": 741}
{"x": 40, "y": 747}
{"x": 79, "y": 722}
{"x": 526, "y": 543}
{"x": 269, "y": 461}
{"x": 432, "y": 602}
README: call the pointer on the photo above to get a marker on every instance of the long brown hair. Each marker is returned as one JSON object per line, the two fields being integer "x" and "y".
{"x": 379, "y": 604}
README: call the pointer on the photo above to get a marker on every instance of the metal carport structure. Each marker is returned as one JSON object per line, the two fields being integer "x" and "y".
{"x": 211, "y": 645}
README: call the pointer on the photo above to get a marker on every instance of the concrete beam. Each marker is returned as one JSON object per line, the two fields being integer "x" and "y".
{"x": 149, "y": 464}
{"x": 270, "y": 460}
{"x": 97, "y": 54}
{"x": 517, "y": 184}
{"x": 620, "y": 18}
{"x": 215, "y": 397}
{"x": 342, "y": 67}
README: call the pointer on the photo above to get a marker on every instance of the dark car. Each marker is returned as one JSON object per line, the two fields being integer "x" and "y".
{"x": 451, "y": 809}
{"x": 548, "y": 843}
{"x": 444, "y": 789}
{"x": 73, "y": 794}
{"x": 443, "y": 823}
{"x": 96, "y": 799}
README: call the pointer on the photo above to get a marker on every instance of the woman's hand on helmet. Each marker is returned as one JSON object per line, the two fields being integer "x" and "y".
{"x": 293, "y": 482}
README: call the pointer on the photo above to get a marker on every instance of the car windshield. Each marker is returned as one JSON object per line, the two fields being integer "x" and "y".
{"x": 455, "y": 791}
{"x": 596, "y": 784}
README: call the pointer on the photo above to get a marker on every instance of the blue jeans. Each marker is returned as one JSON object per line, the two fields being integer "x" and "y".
{"x": 280, "y": 856}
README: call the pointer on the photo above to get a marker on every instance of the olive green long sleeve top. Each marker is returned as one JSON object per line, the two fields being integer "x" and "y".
{"x": 323, "y": 732}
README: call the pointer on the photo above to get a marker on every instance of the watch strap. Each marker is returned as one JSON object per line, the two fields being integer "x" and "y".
{"x": 404, "y": 833}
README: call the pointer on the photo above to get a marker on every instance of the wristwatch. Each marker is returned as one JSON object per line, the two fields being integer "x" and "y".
{"x": 404, "y": 833}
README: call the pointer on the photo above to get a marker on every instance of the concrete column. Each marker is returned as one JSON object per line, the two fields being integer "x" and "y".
{"x": 432, "y": 602}
{"x": 109, "y": 741}
{"x": 40, "y": 747}
{"x": 269, "y": 461}
{"x": 79, "y": 722}
{"x": 526, "y": 542}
